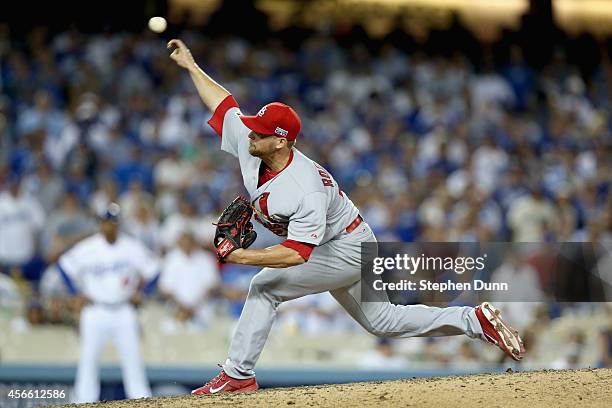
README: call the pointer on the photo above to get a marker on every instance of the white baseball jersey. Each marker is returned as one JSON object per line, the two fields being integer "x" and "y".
{"x": 303, "y": 202}
{"x": 108, "y": 273}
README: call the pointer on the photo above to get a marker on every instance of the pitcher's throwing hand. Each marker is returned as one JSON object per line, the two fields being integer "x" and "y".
{"x": 181, "y": 54}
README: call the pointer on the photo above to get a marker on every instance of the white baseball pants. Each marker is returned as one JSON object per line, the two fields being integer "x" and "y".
{"x": 99, "y": 324}
{"x": 335, "y": 267}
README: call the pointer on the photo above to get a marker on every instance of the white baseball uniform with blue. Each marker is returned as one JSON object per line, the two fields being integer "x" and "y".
{"x": 304, "y": 203}
{"x": 108, "y": 275}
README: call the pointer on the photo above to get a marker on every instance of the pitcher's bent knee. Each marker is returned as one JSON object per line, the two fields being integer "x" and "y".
{"x": 264, "y": 282}
{"x": 373, "y": 324}
{"x": 380, "y": 330}
{"x": 381, "y": 322}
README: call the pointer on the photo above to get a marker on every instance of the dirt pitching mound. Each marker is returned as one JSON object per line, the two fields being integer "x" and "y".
{"x": 570, "y": 388}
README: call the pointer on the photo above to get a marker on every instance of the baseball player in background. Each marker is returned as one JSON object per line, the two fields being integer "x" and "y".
{"x": 296, "y": 198}
{"x": 108, "y": 269}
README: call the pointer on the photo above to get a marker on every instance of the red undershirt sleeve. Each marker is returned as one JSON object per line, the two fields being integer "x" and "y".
{"x": 302, "y": 248}
{"x": 216, "y": 122}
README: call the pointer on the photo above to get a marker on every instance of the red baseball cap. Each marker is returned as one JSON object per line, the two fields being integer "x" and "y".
{"x": 275, "y": 119}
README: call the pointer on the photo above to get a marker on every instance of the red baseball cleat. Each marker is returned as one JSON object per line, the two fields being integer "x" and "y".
{"x": 224, "y": 383}
{"x": 498, "y": 332}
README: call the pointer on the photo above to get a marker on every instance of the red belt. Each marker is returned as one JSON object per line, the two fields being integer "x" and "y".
{"x": 354, "y": 224}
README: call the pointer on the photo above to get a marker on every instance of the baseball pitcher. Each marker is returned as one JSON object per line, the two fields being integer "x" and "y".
{"x": 296, "y": 198}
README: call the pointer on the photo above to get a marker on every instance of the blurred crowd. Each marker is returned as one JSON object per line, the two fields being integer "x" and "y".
{"x": 430, "y": 148}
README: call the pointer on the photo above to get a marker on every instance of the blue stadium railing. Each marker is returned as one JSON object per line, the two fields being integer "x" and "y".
{"x": 267, "y": 377}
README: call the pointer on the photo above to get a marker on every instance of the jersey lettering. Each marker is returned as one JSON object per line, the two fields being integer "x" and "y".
{"x": 263, "y": 203}
{"x": 325, "y": 177}
{"x": 276, "y": 224}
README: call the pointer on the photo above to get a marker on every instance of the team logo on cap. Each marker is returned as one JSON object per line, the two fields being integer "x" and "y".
{"x": 113, "y": 209}
{"x": 262, "y": 111}
{"x": 281, "y": 132}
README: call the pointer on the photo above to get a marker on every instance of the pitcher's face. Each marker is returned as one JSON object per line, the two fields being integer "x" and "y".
{"x": 262, "y": 145}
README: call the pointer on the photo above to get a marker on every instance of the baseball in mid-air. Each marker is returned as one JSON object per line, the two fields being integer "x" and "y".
{"x": 157, "y": 24}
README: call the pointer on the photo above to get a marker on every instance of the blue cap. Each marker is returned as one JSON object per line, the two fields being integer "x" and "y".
{"x": 111, "y": 213}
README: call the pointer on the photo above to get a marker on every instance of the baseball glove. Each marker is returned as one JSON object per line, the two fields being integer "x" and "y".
{"x": 234, "y": 228}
